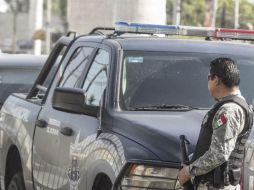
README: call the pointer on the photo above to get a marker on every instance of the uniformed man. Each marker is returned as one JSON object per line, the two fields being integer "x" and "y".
{"x": 219, "y": 154}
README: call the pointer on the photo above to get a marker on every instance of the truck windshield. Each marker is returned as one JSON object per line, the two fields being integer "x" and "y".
{"x": 165, "y": 80}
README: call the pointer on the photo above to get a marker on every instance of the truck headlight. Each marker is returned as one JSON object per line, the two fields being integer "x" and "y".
{"x": 144, "y": 177}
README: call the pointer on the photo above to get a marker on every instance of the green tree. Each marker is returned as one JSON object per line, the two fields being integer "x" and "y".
{"x": 193, "y": 13}
{"x": 225, "y": 14}
{"x": 59, "y": 7}
{"x": 246, "y": 19}
{"x": 91, "y": 99}
{"x": 169, "y": 11}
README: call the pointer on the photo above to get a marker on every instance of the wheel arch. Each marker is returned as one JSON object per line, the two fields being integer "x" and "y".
{"x": 105, "y": 159}
{"x": 13, "y": 164}
{"x": 98, "y": 171}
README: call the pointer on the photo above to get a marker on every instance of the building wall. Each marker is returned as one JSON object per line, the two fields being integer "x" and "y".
{"x": 25, "y": 28}
{"x": 83, "y": 15}
{"x": 6, "y": 32}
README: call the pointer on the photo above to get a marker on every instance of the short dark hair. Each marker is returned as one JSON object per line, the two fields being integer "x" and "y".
{"x": 226, "y": 70}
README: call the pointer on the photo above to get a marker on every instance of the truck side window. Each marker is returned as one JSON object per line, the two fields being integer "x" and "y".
{"x": 73, "y": 72}
{"x": 96, "y": 79}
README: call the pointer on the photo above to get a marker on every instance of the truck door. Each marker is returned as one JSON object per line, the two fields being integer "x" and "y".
{"x": 43, "y": 145}
{"x": 69, "y": 129}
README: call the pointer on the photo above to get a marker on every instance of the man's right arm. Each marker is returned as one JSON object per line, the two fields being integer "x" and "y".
{"x": 223, "y": 141}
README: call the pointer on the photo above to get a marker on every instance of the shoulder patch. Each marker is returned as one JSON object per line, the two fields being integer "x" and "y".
{"x": 221, "y": 121}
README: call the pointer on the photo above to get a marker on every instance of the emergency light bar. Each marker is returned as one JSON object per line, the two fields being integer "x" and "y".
{"x": 124, "y": 27}
{"x": 196, "y": 31}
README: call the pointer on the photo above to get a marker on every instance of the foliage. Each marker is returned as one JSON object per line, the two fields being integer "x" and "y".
{"x": 246, "y": 14}
{"x": 193, "y": 13}
{"x": 59, "y": 7}
{"x": 169, "y": 12}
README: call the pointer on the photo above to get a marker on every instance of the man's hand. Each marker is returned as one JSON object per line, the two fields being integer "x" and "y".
{"x": 183, "y": 178}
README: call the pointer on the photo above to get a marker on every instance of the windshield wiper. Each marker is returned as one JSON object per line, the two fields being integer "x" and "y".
{"x": 175, "y": 107}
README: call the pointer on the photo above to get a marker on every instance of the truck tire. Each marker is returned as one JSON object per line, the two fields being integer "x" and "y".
{"x": 17, "y": 182}
{"x": 104, "y": 183}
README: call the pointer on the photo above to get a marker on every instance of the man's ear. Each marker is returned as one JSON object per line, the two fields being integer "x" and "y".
{"x": 217, "y": 80}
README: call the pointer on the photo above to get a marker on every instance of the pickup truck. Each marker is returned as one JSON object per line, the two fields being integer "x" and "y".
{"x": 110, "y": 113}
{"x": 18, "y": 73}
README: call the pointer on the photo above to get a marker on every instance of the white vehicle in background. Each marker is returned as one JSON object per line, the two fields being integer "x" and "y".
{"x": 18, "y": 73}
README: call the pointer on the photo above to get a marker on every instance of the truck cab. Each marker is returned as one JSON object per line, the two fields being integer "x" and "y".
{"x": 109, "y": 114}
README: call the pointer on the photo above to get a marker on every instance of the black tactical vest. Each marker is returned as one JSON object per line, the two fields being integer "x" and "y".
{"x": 205, "y": 134}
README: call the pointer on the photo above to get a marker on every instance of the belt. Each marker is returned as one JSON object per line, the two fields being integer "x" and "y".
{"x": 209, "y": 187}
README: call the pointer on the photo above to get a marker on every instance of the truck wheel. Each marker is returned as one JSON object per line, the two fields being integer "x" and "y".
{"x": 17, "y": 182}
{"x": 103, "y": 184}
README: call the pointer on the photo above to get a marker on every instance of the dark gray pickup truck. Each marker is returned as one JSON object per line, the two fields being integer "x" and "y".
{"x": 111, "y": 115}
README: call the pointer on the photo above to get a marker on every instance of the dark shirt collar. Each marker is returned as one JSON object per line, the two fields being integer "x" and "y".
{"x": 237, "y": 93}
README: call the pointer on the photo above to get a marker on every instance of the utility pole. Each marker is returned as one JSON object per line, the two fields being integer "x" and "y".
{"x": 215, "y": 2}
{"x": 178, "y": 12}
{"x": 68, "y": 15}
{"x": 48, "y": 21}
{"x": 14, "y": 30}
{"x": 14, "y": 6}
{"x": 38, "y": 24}
{"x": 237, "y": 2}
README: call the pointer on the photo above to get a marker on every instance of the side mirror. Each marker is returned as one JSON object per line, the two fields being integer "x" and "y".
{"x": 72, "y": 100}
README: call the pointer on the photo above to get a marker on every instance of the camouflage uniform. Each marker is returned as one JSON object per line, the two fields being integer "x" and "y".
{"x": 228, "y": 123}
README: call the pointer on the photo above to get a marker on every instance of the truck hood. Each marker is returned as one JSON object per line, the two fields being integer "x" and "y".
{"x": 159, "y": 131}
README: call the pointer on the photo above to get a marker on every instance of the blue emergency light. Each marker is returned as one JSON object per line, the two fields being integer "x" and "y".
{"x": 146, "y": 28}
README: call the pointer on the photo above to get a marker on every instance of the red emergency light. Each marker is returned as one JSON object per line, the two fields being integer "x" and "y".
{"x": 234, "y": 33}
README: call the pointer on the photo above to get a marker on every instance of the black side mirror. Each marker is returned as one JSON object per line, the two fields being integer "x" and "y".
{"x": 72, "y": 100}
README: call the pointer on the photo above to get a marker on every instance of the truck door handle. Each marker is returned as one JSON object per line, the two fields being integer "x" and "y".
{"x": 67, "y": 131}
{"x": 41, "y": 123}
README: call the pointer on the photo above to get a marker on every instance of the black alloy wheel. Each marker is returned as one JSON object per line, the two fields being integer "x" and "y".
{"x": 17, "y": 182}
